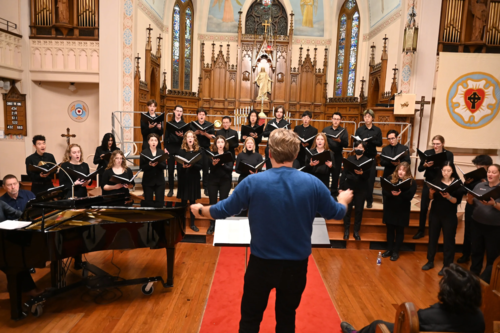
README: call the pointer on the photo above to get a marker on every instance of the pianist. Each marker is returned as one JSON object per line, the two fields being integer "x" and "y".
{"x": 15, "y": 197}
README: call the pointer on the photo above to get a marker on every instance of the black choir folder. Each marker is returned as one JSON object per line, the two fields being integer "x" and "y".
{"x": 478, "y": 174}
{"x": 438, "y": 159}
{"x": 75, "y": 175}
{"x": 195, "y": 126}
{"x": 246, "y": 130}
{"x": 183, "y": 160}
{"x": 122, "y": 180}
{"x": 232, "y": 140}
{"x": 226, "y": 157}
{"x": 158, "y": 158}
{"x": 285, "y": 127}
{"x": 353, "y": 166}
{"x": 172, "y": 128}
{"x": 246, "y": 168}
{"x": 394, "y": 158}
{"x": 145, "y": 117}
{"x": 321, "y": 157}
{"x": 45, "y": 169}
{"x": 335, "y": 136}
{"x": 389, "y": 186}
{"x": 357, "y": 138}
{"x": 455, "y": 185}
{"x": 306, "y": 140}
{"x": 492, "y": 194}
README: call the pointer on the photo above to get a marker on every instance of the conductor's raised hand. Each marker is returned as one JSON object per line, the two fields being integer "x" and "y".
{"x": 345, "y": 197}
{"x": 195, "y": 209}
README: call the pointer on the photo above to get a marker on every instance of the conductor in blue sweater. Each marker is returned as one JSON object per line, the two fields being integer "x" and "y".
{"x": 282, "y": 203}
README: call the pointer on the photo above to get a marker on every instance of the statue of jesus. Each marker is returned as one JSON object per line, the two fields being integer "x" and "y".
{"x": 264, "y": 82}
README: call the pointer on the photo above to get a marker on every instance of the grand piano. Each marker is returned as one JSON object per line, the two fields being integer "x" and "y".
{"x": 65, "y": 229}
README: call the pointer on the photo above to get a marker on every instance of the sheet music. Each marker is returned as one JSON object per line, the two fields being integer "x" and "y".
{"x": 11, "y": 225}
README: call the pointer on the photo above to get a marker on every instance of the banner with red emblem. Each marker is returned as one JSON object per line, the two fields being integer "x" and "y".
{"x": 468, "y": 100}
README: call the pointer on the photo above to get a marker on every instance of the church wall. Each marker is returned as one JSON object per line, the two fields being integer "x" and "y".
{"x": 50, "y": 117}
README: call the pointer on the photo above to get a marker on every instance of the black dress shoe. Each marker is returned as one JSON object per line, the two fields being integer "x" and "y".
{"x": 419, "y": 235}
{"x": 369, "y": 205}
{"x": 32, "y": 271}
{"x": 386, "y": 254}
{"x": 395, "y": 256}
{"x": 170, "y": 193}
{"x": 346, "y": 234}
{"x": 356, "y": 236}
{"x": 346, "y": 327}
{"x": 206, "y": 192}
{"x": 194, "y": 228}
{"x": 429, "y": 265}
{"x": 463, "y": 259}
{"x": 441, "y": 273}
{"x": 210, "y": 230}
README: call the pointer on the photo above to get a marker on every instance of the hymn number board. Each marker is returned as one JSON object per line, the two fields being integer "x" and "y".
{"x": 14, "y": 105}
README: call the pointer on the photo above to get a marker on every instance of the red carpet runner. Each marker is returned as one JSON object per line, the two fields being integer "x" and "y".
{"x": 316, "y": 312}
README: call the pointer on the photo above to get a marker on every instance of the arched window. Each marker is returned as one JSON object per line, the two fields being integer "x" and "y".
{"x": 347, "y": 49}
{"x": 182, "y": 44}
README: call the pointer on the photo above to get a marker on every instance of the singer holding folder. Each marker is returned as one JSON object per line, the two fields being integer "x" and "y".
{"x": 40, "y": 181}
{"x": 219, "y": 180}
{"x": 338, "y": 139}
{"x": 230, "y": 134}
{"x": 392, "y": 150}
{"x": 443, "y": 215}
{"x": 204, "y": 135}
{"x": 356, "y": 181}
{"x": 253, "y": 122}
{"x": 73, "y": 160}
{"x": 248, "y": 155}
{"x": 101, "y": 157}
{"x": 431, "y": 171}
{"x": 148, "y": 127}
{"x": 277, "y": 122}
{"x": 305, "y": 131}
{"x": 117, "y": 167}
{"x": 320, "y": 170}
{"x": 153, "y": 178}
{"x": 397, "y": 206}
{"x": 173, "y": 141}
{"x": 189, "y": 174}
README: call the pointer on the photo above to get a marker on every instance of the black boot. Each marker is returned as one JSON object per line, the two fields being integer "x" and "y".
{"x": 193, "y": 227}
{"x": 386, "y": 254}
{"x": 356, "y": 235}
{"x": 170, "y": 193}
{"x": 346, "y": 233}
{"x": 211, "y": 228}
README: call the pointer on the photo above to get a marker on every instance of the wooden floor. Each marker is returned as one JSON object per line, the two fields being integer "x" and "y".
{"x": 360, "y": 290}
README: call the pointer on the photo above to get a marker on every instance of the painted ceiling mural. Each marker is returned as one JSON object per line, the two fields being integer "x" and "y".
{"x": 309, "y": 19}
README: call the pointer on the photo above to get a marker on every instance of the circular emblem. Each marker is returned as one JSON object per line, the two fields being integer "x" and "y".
{"x": 78, "y": 111}
{"x": 473, "y": 100}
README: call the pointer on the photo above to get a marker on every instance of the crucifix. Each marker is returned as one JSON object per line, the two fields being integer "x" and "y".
{"x": 68, "y": 136}
{"x": 422, "y": 104}
{"x": 265, "y": 24}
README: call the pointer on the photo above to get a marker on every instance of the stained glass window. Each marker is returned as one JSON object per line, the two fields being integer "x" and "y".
{"x": 182, "y": 44}
{"x": 347, "y": 50}
{"x": 176, "y": 47}
{"x": 350, "y": 4}
{"x": 340, "y": 56}
{"x": 353, "y": 57}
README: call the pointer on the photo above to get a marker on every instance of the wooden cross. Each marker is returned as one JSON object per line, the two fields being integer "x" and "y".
{"x": 265, "y": 24}
{"x": 68, "y": 136}
{"x": 422, "y": 103}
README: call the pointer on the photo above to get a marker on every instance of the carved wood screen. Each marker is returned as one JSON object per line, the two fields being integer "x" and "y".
{"x": 257, "y": 14}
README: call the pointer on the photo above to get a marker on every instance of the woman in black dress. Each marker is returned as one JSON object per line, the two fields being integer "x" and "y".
{"x": 356, "y": 181}
{"x": 219, "y": 180}
{"x": 443, "y": 216}
{"x": 253, "y": 122}
{"x": 153, "y": 178}
{"x": 117, "y": 167}
{"x": 431, "y": 171}
{"x": 397, "y": 205}
{"x": 108, "y": 145}
{"x": 73, "y": 160}
{"x": 149, "y": 127}
{"x": 249, "y": 156}
{"x": 322, "y": 172}
{"x": 189, "y": 175}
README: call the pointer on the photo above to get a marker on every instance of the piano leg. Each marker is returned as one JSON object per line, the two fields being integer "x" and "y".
{"x": 170, "y": 267}
{"x": 15, "y": 293}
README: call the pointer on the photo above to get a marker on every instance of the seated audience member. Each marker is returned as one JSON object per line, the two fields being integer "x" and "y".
{"x": 15, "y": 197}
{"x": 458, "y": 309}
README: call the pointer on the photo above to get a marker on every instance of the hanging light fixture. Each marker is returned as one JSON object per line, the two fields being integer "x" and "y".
{"x": 411, "y": 33}
{"x": 72, "y": 86}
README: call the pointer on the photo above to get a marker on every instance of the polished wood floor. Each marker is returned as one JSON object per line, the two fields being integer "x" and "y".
{"x": 360, "y": 290}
